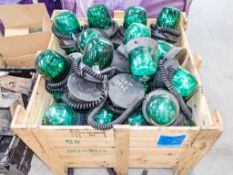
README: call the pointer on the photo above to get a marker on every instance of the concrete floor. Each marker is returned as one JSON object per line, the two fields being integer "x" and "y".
{"x": 210, "y": 33}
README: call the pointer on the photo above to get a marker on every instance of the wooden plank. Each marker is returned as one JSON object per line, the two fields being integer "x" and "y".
{"x": 122, "y": 149}
{"x": 67, "y": 142}
{"x": 16, "y": 84}
{"x": 201, "y": 145}
{"x": 19, "y": 115}
{"x": 89, "y": 162}
{"x": 75, "y": 132}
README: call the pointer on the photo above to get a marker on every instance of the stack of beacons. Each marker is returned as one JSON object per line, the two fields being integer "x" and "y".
{"x": 108, "y": 74}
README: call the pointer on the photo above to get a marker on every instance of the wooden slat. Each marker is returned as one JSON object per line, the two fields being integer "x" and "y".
{"x": 67, "y": 142}
{"x": 122, "y": 149}
{"x": 153, "y": 162}
{"x": 16, "y": 84}
{"x": 85, "y": 151}
{"x": 75, "y": 132}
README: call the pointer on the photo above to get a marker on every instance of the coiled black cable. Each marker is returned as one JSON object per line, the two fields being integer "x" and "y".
{"x": 89, "y": 71}
{"x": 52, "y": 90}
{"x": 92, "y": 73}
{"x": 166, "y": 34}
{"x": 80, "y": 105}
{"x": 165, "y": 30}
{"x": 121, "y": 119}
{"x": 168, "y": 84}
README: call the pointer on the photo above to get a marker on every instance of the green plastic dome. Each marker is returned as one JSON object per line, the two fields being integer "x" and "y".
{"x": 66, "y": 23}
{"x": 137, "y": 119}
{"x": 143, "y": 64}
{"x": 135, "y": 14}
{"x": 59, "y": 114}
{"x": 184, "y": 82}
{"x": 98, "y": 52}
{"x": 160, "y": 108}
{"x": 169, "y": 17}
{"x": 52, "y": 65}
{"x": 86, "y": 36}
{"x": 136, "y": 30}
{"x": 163, "y": 48}
{"x": 98, "y": 16}
{"x": 104, "y": 117}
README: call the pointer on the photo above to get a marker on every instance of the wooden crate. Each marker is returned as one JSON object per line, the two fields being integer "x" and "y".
{"x": 124, "y": 146}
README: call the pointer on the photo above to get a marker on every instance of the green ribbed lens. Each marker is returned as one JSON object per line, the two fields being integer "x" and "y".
{"x": 52, "y": 65}
{"x": 86, "y": 36}
{"x": 135, "y": 14}
{"x": 98, "y": 52}
{"x": 137, "y": 119}
{"x": 59, "y": 114}
{"x": 143, "y": 64}
{"x": 104, "y": 117}
{"x": 136, "y": 30}
{"x": 184, "y": 82}
{"x": 163, "y": 48}
{"x": 99, "y": 17}
{"x": 160, "y": 108}
{"x": 169, "y": 17}
{"x": 66, "y": 23}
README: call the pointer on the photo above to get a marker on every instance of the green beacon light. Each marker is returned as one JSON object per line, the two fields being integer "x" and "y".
{"x": 184, "y": 82}
{"x": 104, "y": 117}
{"x": 66, "y": 28}
{"x": 86, "y": 36}
{"x": 136, "y": 30}
{"x": 169, "y": 18}
{"x": 163, "y": 48}
{"x": 99, "y": 16}
{"x": 52, "y": 65}
{"x": 135, "y": 14}
{"x": 59, "y": 114}
{"x": 137, "y": 119}
{"x": 98, "y": 52}
{"x": 160, "y": 108}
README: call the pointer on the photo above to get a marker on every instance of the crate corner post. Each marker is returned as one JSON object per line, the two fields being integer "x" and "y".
{"x": 200, "y": 145}
{"x": 121, "y": 136}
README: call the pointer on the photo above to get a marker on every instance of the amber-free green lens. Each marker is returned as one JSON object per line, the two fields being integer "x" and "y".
{"x": 163, "y": 48}
{"x": 52, "y": 65}
{"x": 137, "y": 119}
{"x": 169, "y": 17}
{"x": 98, "y": 52}
{"x": 86, "y": 36}
{"x": 143, "y": 64}
{"x": 66, "y": 23}
{"x": 104, "y": 117}
{"x": 184, "y": 82}
{"x": 135, "y": 14}
{"x": 59, "y": 114}
{"x": 160, "y": 108}
{"x": 99, "y": 16}
{"x": 136, "y": 30}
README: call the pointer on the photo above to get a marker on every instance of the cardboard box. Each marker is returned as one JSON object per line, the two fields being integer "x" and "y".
{"x": 27, "y": 30}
